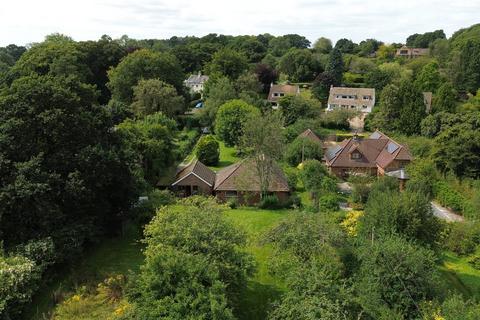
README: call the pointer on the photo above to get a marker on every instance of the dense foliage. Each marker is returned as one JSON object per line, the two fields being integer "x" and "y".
{"x": 208, "y": 150}
{"x": 194, "y": 265}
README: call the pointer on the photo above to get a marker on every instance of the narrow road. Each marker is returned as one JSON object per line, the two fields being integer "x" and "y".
{"x": 444, "y": 213}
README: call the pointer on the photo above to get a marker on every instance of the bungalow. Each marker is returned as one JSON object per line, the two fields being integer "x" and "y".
{"x": 358, "y": 99}
{"x": 278, "y": 91}
{"x": 196, "y": 82}
{"x": 237, "y": 182}
{"x": 410, "y": 53}
{"x": 194, "y": 178}
{"x": 240, "y": 182}
{"x": 376, "y": 155}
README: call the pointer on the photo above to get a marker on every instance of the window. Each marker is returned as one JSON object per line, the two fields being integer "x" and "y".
{"x": 231, "y": 194}
{"x": 366, "y": 97}
{"x": 194, "y": 190}
{"x": 352, "y": 107}
{"x": 344, "y": 97}
{"x": 281, "y": 94}
{"x": 356, "y": 155}
{"x": 364, "y": 107}
{"x": 275, "y": 94}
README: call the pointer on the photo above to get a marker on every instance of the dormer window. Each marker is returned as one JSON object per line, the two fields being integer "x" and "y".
{"x": 356, "y": 155}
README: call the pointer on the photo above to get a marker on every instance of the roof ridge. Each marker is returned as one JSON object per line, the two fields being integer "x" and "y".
{"x": 340, "y": 151}
{"x": 228, "y": 176}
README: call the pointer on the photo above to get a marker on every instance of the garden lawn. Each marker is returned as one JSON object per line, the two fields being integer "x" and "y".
{"x": 461, "y": 275}
{"x": 262, "y": 288}
{"x": 228, "y": 156}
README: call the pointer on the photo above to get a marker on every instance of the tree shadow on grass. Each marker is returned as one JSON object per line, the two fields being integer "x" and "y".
{"x": 257, "y": 300}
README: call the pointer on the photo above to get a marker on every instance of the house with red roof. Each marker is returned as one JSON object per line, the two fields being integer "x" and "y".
{"x": 376, "y": 155}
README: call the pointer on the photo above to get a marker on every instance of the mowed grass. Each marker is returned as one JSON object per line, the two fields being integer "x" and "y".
{"x": 228, "y": 156}
{"x": 461, "y": 275}
{"x": 263, "y": 289}
{"x": 110, "y": 257}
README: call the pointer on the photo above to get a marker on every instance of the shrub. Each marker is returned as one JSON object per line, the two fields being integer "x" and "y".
{"x": 270, "y": 202}
{"x": 303, "y": 147}
{"x": 337, "y": 119}
{"x": 350, "y": 222}
{"x": 360, "y": 192}
{"x": 463, "y": 237}
{"x": 145, "y": 210}
{"x": 294, "y": 202}
{"x": 292, "y": 178}
{"x": 233, "y": 204}
{"x": 208, "y": 150}
{"x": 186, "y": 142}
{"x": 448, "y": 197}
{"x": 474, "y": 261}
{"x": 329, "y": 202}
{"x": 111, "y": 289}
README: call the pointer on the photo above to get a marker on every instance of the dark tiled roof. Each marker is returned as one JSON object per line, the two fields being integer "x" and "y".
{"x": 242, "y": 176}
{"x": 310, "y": 135}
{"x": 197, "y": 168}
{"x": 282, "y": 88}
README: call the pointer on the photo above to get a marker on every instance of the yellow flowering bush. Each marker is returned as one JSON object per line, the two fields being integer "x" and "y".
{"x": 351, "y": 222}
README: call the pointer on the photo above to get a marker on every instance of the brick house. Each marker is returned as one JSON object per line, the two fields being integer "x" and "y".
{"x": 240, "y": 182}
{"x": 195, "y": 178}
{"x": 375, "y": 155}
{"x": 237, "y": 182}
